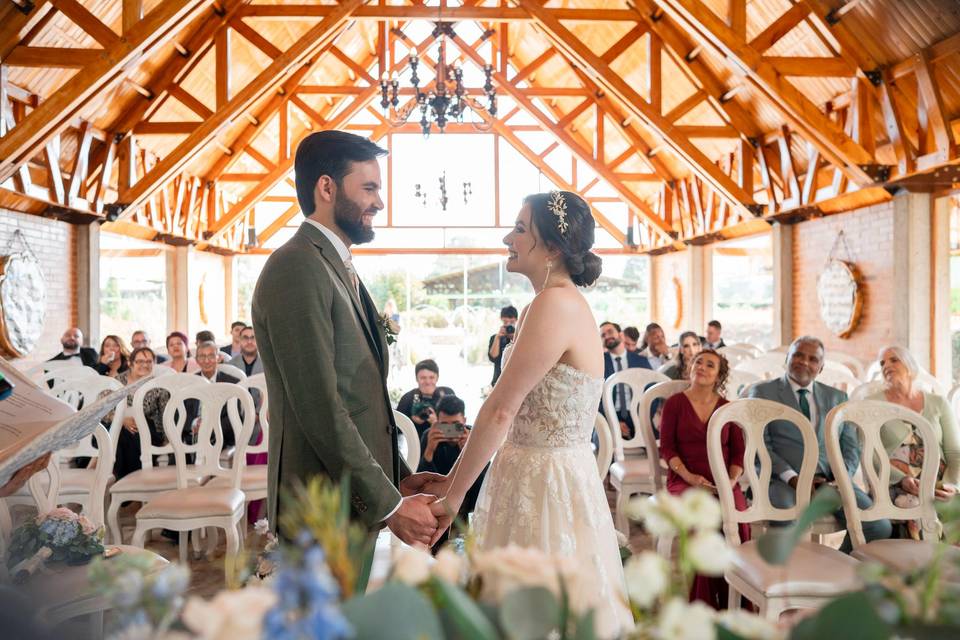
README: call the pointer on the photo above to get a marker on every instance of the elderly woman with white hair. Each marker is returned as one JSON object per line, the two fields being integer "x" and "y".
{"x": 906, "y": 449}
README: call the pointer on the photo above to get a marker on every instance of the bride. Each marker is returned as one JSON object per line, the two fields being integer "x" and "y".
{"x": 542, "y": 489}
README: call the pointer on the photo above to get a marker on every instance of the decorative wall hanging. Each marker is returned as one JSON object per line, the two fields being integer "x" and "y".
{"x": 23, "y": 298}
{"x": 839, "y": 292}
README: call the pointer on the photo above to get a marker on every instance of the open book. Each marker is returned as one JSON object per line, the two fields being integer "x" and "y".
{"x": 33, "y": 423}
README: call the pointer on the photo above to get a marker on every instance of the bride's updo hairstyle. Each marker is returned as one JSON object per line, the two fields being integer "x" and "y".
{"x": 564, "y": 222}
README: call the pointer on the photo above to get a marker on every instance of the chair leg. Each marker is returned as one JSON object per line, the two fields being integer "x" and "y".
{"x": 242, "y": 530}
{"x": 182, "y": 545}
{"x": 96, "y": 624}
{"x": 213, "y": 539}
{"x": 233, "y": 550}
{"x": 139, "y": 536}
{"x": 195, "y": 541}
{"x": 665, "y": 547}
{"x": 620, "y": 517}
{"x": 113, "y": 522}
{"x": 733, "y": 598}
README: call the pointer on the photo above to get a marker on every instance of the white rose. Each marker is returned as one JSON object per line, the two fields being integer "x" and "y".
{"x": 750, "y": 626}
{"x": 230, "y": 615}
{"x": 449, "y": 566}
{"x": 262, "y": 527}
{"x": 682, "y": 621}
{"x": 699, "y": 510}
{"x": 411, "y": 566}
{"x": 647, "y": 576}
{"x": 651, "y": 512}
{"x": 709, "y": 553}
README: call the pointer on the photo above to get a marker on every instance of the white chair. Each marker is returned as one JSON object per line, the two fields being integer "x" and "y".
{"x": 253, "y": 481}
{"x": 735, "y": 355}
{"x": 411, "y": 440}
{"x": 639, "y": 474}
{"x": 637, "y": 380}
{"x": 148, "y": 481}
{"x": 954, "y": 400}
{"x": 231, "y": 370}
{"x": 852, "y": 363}
{"x": 864, "y": 390}
{"x": 814, "y": 574}
{"x": 767, "y": 367}
{"x": 738, "y": 382}
{"x": 605, "y": 446}
{"x": 903, "y": 556}
{"x": 753, "y": 350}
{"x": 839, "y": 376}
{"x": 40, "y": 372}
{"x": 190, "y": 507}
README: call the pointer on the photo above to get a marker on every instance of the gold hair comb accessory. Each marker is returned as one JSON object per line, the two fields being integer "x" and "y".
{"x": 558, "y": 207}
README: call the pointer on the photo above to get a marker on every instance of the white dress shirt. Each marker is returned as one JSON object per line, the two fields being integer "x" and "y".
{"x": 795, "y": 387}
{"x": 344, "y": 252}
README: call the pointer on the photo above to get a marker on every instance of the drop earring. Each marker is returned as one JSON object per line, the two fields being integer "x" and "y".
{"x": 547, "y": 278}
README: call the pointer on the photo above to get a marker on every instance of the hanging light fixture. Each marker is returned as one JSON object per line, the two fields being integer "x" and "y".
{"x": 447, "y": 100}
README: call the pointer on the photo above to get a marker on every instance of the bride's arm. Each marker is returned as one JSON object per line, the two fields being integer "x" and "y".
{"x": 539, "y": 345}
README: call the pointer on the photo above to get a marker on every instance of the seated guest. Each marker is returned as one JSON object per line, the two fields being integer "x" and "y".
{"x": 179, "y": 350}
{"x": 207, "y": 359}
{"x": 419, "y": 404}
{"x": 616, "y": 358}
{"x": 631, "y": 338}
{"x": 683, "y": 445}
{"x": 441, "y": 450}
{"x": 656, "y": 351}
{"x": 249, "y": 359}
{"x": 713, "y": 339}
{"x": 114, "y": 357}
{"x": 72, "y": 341}
{"x": 233, "y": 349}
{"x": 140, "y": 339}
{"x": 154, "y": 402}
{"x": 207, "y": 336}
{"x": 679, "y": 368}
{"x": 799, "y": 390}
{"x": 904, "y": 446}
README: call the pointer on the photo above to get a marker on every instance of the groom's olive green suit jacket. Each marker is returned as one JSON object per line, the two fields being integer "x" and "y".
{"x": 325, "y": 361}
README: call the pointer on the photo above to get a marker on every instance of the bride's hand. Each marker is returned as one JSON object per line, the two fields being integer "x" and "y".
{"x": 444, "y": 512}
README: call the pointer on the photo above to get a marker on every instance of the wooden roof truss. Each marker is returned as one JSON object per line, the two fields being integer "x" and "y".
{"x": 890, "y": 128}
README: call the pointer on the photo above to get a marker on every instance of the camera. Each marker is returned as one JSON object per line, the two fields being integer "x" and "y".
{"x": 452, "y": 430}
{"x": 422, "y": 410}
{"x": 510, "y": 329}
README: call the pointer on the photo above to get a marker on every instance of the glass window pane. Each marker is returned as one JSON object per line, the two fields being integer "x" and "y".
{"x": 743, "y": 290}
{"x": 133, "y": 293}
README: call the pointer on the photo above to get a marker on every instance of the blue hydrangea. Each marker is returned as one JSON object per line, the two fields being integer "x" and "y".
{"x": 306, "y": 606}
{"x": 61, "y": 532}
{"x": 170, "y": 582}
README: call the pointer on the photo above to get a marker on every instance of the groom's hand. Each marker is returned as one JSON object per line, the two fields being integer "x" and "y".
{"x": 418, "y": 483}
{"x": 413, "y": 522}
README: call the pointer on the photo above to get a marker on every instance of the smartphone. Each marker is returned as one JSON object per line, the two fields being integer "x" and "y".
{"x": 451, "y": 430}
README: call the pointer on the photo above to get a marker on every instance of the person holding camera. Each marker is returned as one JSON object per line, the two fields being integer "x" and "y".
{"x": 441, "y": 446}
{"x": 419, "y": 404}
{"x": 499, "y": 341}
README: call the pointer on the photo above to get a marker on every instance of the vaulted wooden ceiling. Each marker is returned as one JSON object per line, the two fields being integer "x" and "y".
{"x": 173, "y": 119}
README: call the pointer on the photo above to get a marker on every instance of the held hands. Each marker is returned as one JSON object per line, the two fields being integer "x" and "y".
{"x": 445, "y": 510}
{"x": 413, "y": 522}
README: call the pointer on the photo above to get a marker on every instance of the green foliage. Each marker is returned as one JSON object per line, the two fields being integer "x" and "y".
{"x": 776, "y": 545}
{"x": 394, "y": 611}
{"x": 530, "y": 614}
{"x": 851, "y": 617}
{"x": 30, "y": 538}
{"x": 461, "y": 616}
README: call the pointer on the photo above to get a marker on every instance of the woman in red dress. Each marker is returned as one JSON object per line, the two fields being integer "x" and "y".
{"x": 683, "y": 445}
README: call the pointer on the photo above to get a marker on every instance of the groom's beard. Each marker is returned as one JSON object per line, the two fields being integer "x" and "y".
{"x": 347, "y": 214}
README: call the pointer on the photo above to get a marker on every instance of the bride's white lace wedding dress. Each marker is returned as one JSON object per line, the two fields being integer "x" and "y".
{"x": 542, "y": 490}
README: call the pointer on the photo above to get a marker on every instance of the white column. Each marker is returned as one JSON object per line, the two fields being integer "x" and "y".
{"x": 230, "y": 311}
{"x": 781, "y": 242}
{"x": 88, "y": 281}
{"x": 942, "y": 347}
{"x": 696, "y": 300}
{"x": 912, "y": 264}
{"x": 178, "y": 290}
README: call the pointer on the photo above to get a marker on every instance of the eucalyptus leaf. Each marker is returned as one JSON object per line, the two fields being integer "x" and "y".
{"x": 724, "y": 633}
{"x": 463, "y": 614}
{"x": 394, "y": 611}
{"x": 777, "y": 544}
{"x": 531, "y": 613}
{"x": 851, "y": 617}
{"x": 586, "y": 627}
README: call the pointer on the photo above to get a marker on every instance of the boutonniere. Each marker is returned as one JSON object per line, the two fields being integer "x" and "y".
{"x": 390, "y": 328}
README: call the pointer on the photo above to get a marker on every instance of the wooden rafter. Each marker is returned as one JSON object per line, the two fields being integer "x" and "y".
{"x": 55, "y": 113}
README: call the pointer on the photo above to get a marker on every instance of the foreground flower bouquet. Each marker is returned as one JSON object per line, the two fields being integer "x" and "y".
{"x": 60, "y": 536}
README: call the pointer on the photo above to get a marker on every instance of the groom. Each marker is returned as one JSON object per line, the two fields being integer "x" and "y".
{"x": 324, "y": 352}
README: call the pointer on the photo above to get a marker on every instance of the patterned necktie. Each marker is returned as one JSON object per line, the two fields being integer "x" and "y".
{"x": 348, "y": 263}
{"x": 621, "y": 397}
{"x": 804, "y": 403}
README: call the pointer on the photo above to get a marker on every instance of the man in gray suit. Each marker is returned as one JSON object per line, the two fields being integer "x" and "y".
{"x": 324, "y": 352}
{"x": 799, "y": 390}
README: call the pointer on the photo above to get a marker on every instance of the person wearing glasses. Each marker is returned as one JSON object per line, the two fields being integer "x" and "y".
{"x": 207, "y": 357}
{"x": 248, "y": 360}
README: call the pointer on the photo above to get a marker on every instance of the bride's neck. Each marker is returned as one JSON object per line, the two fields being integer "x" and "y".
{"x": 542, "y": 281}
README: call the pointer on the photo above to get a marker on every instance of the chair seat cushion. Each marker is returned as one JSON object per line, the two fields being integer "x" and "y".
{"x": 193, "y": 502}
{"x": 254, "y": 479}
{"x": 631, "y": 470}
{"x": 903, "y": 556}
{"x": 152, "y": 479}
{"x": 813, "y": 570}
{"x": 825, "y": 525}
{"x": 72, "y": 482}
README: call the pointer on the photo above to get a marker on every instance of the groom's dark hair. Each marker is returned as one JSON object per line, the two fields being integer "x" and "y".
{"x": 328, "y": 153}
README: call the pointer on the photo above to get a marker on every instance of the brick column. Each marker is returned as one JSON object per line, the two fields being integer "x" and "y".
{"x": 88, "y": 281}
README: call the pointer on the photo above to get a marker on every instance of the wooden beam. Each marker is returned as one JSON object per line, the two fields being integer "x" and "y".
{"x": 55, "y": 113}
{"x": 812, "y": 67}
{"x": 132, "y": 14}
{"x": 488, "y": 14}
{"x": 799, "y": 111}
{"x": 894, "y": 125}
{"x": 612, "y": 83}
{"x": 315, "y": 39}
{"x": 937, "y": 120}
{"x": 738, "y": 17}
{"x": 277, "y": 224}
{"x": 624, "y": 43}
{"x": 91, "y": 24}
{"x": 531, "y": 68}
{"x": 59, "y": 57}
{"x": 221, "y": 45}
{"x": 165, "y": 128}
{"x": 255, "y": 38}
{"x": 15, "y": 23}
{"x": 780, "y": 27}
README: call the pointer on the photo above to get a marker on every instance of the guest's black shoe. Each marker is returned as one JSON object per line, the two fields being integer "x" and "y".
{"x": 170, "y": 534}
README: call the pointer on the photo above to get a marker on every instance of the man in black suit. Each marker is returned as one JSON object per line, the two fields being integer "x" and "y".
{"x": 713, "y": 339}
{"x": 500, "y": 340}
{"x": 617, "y": 358}
{"x": 71, "y": 341}
{"x": 207, "y": 359}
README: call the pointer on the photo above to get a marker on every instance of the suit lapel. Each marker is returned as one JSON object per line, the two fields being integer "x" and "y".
{"x": 787, "y": 396}
{"x": 370, "y": 310}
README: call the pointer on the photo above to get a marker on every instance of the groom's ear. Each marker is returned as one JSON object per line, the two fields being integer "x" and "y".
{"x": 325, "y": 190}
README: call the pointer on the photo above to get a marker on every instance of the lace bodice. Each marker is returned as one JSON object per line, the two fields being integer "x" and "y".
{"x": 559, "y": 411}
